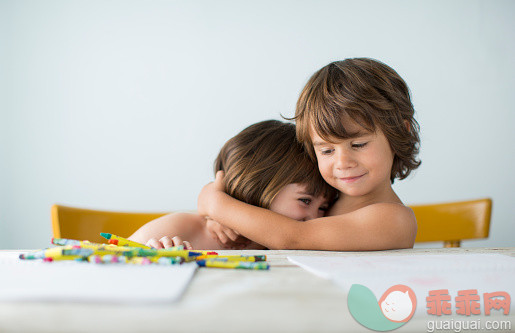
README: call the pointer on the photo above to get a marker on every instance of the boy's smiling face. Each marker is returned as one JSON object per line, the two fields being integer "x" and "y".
{"x": 357, "y": 166}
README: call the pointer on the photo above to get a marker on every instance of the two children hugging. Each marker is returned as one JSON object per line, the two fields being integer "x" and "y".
{"x": 265, "y": 166}
{"x": 356, "y": 122}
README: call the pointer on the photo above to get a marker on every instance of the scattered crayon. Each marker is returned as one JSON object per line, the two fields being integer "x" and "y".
{"x": 124, "y": 251}
{"x": 120, "y": 241}
{"x": 66, "y": 241}
{"x": 167, "y": 260}
{"x": 233, "y": 258}
{"x": 139, "y": 261}
{"x": 233, "y": 264}
{"x": 53, "y": 252}
{"x": 95, "y": 259}
{"x": 107, "y": 259}
{"x": 171, "y": 252}
{"x": 110, "y": 250}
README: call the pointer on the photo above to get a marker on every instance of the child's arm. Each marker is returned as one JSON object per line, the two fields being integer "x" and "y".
{"x": 182, "y": 225}
{"x": 375, "y": 227}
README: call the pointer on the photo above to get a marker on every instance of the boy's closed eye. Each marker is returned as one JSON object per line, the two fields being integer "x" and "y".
{"x": 359, "y": 145}
{"x": 326, "y": 151}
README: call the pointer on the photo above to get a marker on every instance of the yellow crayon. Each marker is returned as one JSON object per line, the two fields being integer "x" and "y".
{"x": 233, "y": 264}
{"x": 71, "y": 252}
{"x": 233, "y": 258}
{"x": 171, "y": 252}
{"x": 100, "y": 249}
{"x": 46, "y": 253}
{"x": 61, "y": 253}
{"x": 120, "y": 241}
{"x": 109, "y": 250}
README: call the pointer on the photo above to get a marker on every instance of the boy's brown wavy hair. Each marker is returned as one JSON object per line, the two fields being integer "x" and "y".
{"x": 263, "y": 158}
{"x": 371, "y": 94}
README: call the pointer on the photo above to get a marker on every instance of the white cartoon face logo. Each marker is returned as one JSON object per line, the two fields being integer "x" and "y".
{"x": 397, "y": 306}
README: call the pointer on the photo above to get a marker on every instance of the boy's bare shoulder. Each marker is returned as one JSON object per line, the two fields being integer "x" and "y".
{"x": 395, "y": 211}
{"x": 394, "y": 214}
{"x": 397, "y": 217}
{"x": 381, "y": 226}
{"x": 383, "y": 209}
{"x": 393, "y": 207}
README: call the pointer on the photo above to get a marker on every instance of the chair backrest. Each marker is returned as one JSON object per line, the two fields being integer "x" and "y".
{"x": 452, "y": 222}
{"x": 446, "y": 222}
{"x": 87, "y": 224}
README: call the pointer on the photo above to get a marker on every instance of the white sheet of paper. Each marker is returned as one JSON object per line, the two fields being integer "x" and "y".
{"x": 422, "y": 273}
{"x": 34, "y": 280}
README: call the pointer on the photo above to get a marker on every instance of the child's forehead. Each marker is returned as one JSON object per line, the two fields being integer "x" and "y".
{"x": 348, "y": 130}
{"x": 303, "y": 188}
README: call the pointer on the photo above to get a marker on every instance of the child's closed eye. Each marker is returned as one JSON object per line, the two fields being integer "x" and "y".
{"x": 326, "y": 151}
{"x": 359, "y": 145}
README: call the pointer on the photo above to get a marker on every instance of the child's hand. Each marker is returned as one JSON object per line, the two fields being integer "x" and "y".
{"x": 167, "y": 242}
{"x": 226, "y": 237}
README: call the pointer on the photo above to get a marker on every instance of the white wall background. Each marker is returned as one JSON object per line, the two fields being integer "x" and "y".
{"x": 123, "y": 105}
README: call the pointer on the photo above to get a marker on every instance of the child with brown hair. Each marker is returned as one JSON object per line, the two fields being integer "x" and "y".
{"x": 356, "y": 119}
{"x": 264, "y": 166}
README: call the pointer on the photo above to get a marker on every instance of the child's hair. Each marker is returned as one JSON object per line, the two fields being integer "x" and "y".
{"x": 371, "y": 94}
{"x": 263, "y": 158}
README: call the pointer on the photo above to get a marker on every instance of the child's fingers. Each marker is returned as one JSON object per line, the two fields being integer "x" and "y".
{"x": 152, "y": 242}
{"x": 230, "y": 234}
{"x": 238, "y": 240}
{"x": 225, "y": 236}
{"x": 166, "y": 241}
{"x": 188, "y": 245}
{"x": 211, "y": 225}
{"x": 215, "y": 229}
{"x": 177, "y": 241}
{"x": 222, "y": 237}
{"x": 235, "y": 237}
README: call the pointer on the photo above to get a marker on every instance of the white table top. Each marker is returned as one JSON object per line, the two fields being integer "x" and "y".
{"x": 286, "y": 299}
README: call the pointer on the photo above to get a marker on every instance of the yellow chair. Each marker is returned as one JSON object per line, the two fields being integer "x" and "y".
{"x": 446, "y": 222}
{"x": 453, "y": 221}
{"x": 87, "y": 224}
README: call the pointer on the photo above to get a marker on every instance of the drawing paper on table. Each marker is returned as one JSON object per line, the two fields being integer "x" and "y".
{"x": 422, "y": 273}
{"x": 33, "y": 280}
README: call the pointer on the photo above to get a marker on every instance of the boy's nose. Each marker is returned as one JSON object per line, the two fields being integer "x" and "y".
{"x": 345, "y": 161}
